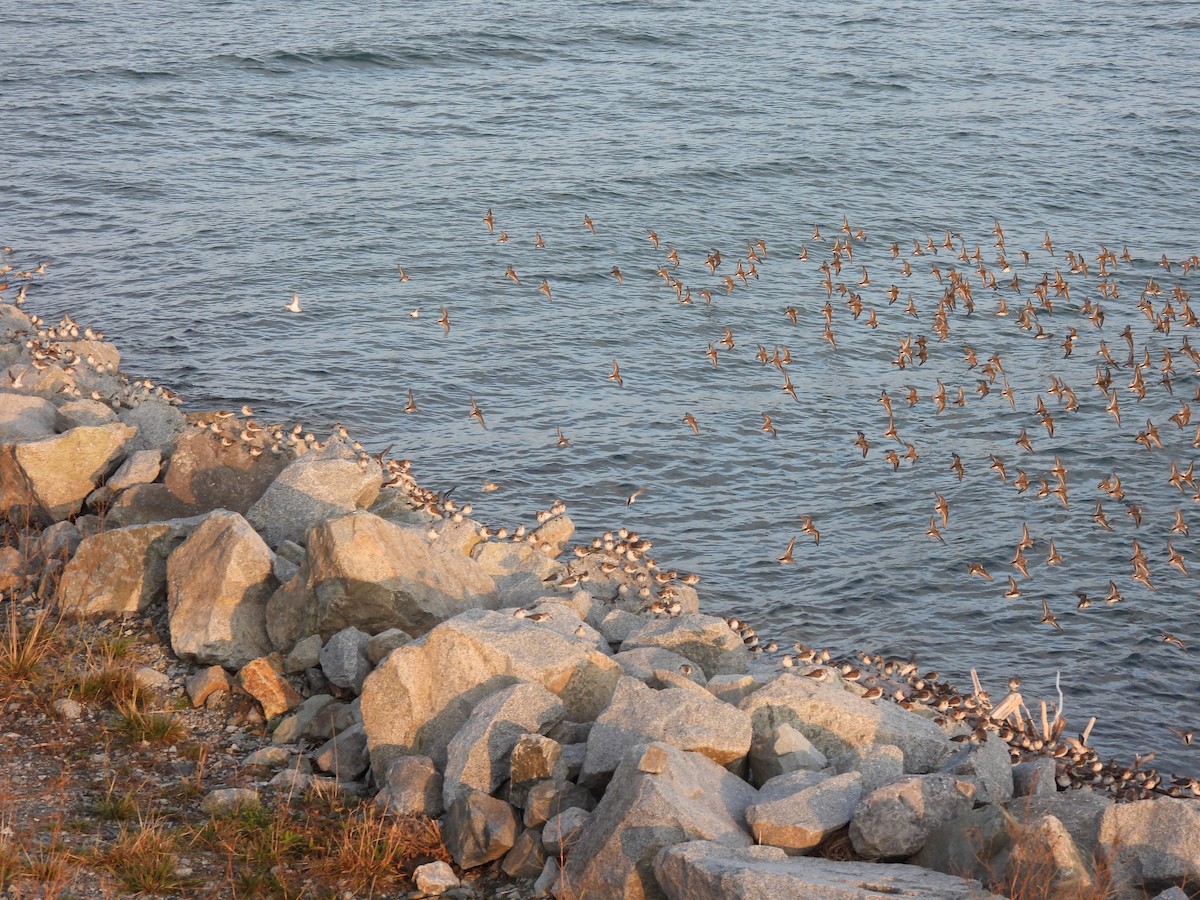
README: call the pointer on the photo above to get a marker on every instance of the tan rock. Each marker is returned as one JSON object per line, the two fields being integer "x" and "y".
{"x": 206, "y": 475}
{"x": 263, "y": 680}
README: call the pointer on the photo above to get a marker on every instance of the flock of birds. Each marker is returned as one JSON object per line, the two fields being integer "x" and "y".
{"x": 932, "y": 288}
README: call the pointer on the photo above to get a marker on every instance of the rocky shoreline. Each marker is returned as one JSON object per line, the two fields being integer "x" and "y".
{"x": 566, "y": 712}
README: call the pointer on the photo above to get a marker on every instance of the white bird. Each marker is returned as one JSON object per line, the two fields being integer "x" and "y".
{"x": 415, "y": 314}
{"x": 294, "y": 306}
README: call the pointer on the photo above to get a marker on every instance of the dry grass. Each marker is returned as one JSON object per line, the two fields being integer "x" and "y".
{"x": 144, "y": 859}
{"x": 25, "y": 646}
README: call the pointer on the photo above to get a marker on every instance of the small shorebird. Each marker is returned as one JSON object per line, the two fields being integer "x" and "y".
{"x": 545, "y": 289}
{"x": 489, "y": 221}
{"x": 587, "y": 223}
{"x": 403, "y": 274}
{"x": 616, "y": 375}
{"x": 411, "y": 405}
{"x": 768, "y": 425}
{"x": 787, "y": 554}
{"x": 444, "y": 321}
{"x": 477, "y": 413}
{"x": 807, "y": 527}
{"x": 690, "y": 420}
{"x": 294, "y": 306}
{"x": 1048, "y": 617}
{"x": 632, "y": 498}
{"x": 562, "y": 438}
{"x": 1167, "y": 638}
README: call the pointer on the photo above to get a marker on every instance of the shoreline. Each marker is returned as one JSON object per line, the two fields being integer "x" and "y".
{"x": 305, "y": 518}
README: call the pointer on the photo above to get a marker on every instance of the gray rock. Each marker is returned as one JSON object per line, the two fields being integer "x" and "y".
{"x": 293, "y": 727}
{"x": 478, "y": 758}
{"x": 519, "y": 570}
{"x": 218, "y": 582}
{"x": 527, "y": 857}
{"x": 25, "y": 418}
{"x": 478, "y": 828}
{"x": 267, "y": 758}
{"x": 380, "y": 645}
{"x": 796, "y": 814}
{"x": 48, "y": 479}
{"x": 140, "y": 467}
{"x": 205, "y": 475}
{"x": 782, "y": 750}
{"x": 1043, "y": 854}
{"x": 315, "y": 487}
{"x": 733, "y": 689}
{"x": 412, "y": 786}
{"x": 973, "y": 845}
{"x": 895, "y": 821}
{"x": 419, "y": 697}
{"x": 878, "y": 764}
{"x": 344, "y": 659}
{"x": 1034, "y": 776}
{"x": 1172, "y": 893}
{"x": 141, "y": 504}
{"x": 561, "y": 831}
{"x": 552, "y": 535}
{"x": 122, "y": 571}
{"x": 228, "y": 801}
{"x": 1152, "y": 844}
{"x": 83, "y": 412}
{"x": 330, "y": 720}
{"x": 1080, "y": 811}
{"x": 548, "y": 881}
{"x": 435, "y": 878}
{"x": 988, "y": 765}
{"x": 158, "y": 423}
{"x": 547, "y": 799}
{"x": 345, "y": 756}
{"x": 644, "y": 661}
{"x": 67, "y": 709}
{"x": 705, "y": 640}
{"x": 658, "y": 796}
{"x": 60, "y": 541}
{"x": 703, "y": 870}
{"x": 836, "y": 720}
{"x": 639, "y": 714}
{"x": 535, "y": 758}
{"x": 616, "y": 625}
{"x": 305, "y": 655}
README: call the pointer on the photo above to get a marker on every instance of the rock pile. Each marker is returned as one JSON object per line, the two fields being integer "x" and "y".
{"x": 580, "y": 724}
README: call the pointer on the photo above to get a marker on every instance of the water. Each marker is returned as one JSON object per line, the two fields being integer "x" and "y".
{"x": 185, "y": 167}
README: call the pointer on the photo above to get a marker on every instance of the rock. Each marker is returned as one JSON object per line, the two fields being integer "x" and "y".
{"x": 60, "y": 541}
{"x": 1172, "y": 893}
{"x": 561, "y": 831}
{"x": 988, "y": 765}
{"x": 547, "y": 799}
{"x": 534, "y": 758}
{"x": 313, "y": 488}
{"x": 49, "y": 478}
{"x": 1034, "y": 776}
{"x": 158, "y": 424}
{"x": 83, "y": 412}
{"x": 703, "y": 870}
{"x": 435, "y": 878}
{"x": 705, "y": 640}
{"x": 1080, "y": 811}
{"x": 552, "y": 535}
{"x": 640, "y": 715}
{"x": 479, "y": 756}
{"x": 878, "y": 764}
{"x": 895, "y": 821}
{"x": 139, "y": 504}
{"x": 218, "y": 582}
{"x": 1152, "y": 844}
{"x": 527, "y": 857}
{"x": 658, "y": 796}
{"x": 25, "y": 418}
{"x": 345, "y": 756}
{"x": 795, "y": 812}
{"x": 548, "y": 881}
{"x": 152, "y": 679}
{"x": 973, "y": 845}
{"x": 263, "y": 680}
{"x": 227, "y": 801}
{"x": 206, "y": 682}
{"x": 412, "y": 786}
{"x": 662, "y": 679}
{"x": 644, "y": 661}
{"x": 140, "y": 467}
{"x": 122, "y": 571}
{"x": 294, "y": 726}
{"x": 305, "y": 655}
{"x": 836, "y": 720}
{"x": 12, "y": 569}
{"x": 205, "y": 475}
{"x": 331, "y": 719}
{"x": 616, "y": 625}
{"x": 67, "y": 709}
{"x": 344, "y": 659}
{"x": 733, "y": 689}
{"x": 519, "y": 570}
{"x": 478, "y": 828}
{"x": 780, "y": 751}
{"x": 419, "y": 697}
{"x": 380, "y": 645}
{"x": 1043, "y": 854}
{"x": 267, "y": 758}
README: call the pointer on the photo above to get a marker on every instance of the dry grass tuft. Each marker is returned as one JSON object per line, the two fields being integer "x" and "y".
{"x": 136, "y": 723}
{"x": 26, "y": 643}
{"x": 144, "y": 858}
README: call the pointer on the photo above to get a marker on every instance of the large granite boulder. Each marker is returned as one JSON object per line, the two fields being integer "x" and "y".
{"x": 795, "y": 812}
{"x": 218, "y": 582}
{"x": 704, "y": 870}
{"x": 48, "y": 479}
{"x": 836, "y": 720}
{"x": 478, "y": 828}
{"x": 317, "y": 486}
{"x": 1152, "y": 845}
{"x": 658, "y": 796}
{"x": 895, "y": 821}
{"x": 639, "y": 715}
{"x": 206, "y": 475}
{"x": 706, "y": 640}
{"x": 422, "y": 694}
{"x": 25, "y": 418}
{"x": 158, "y": 424}
{"x": 122, "y": 571}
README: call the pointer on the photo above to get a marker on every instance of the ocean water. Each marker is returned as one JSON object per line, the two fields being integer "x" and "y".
{"x": 185, "y": 167}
